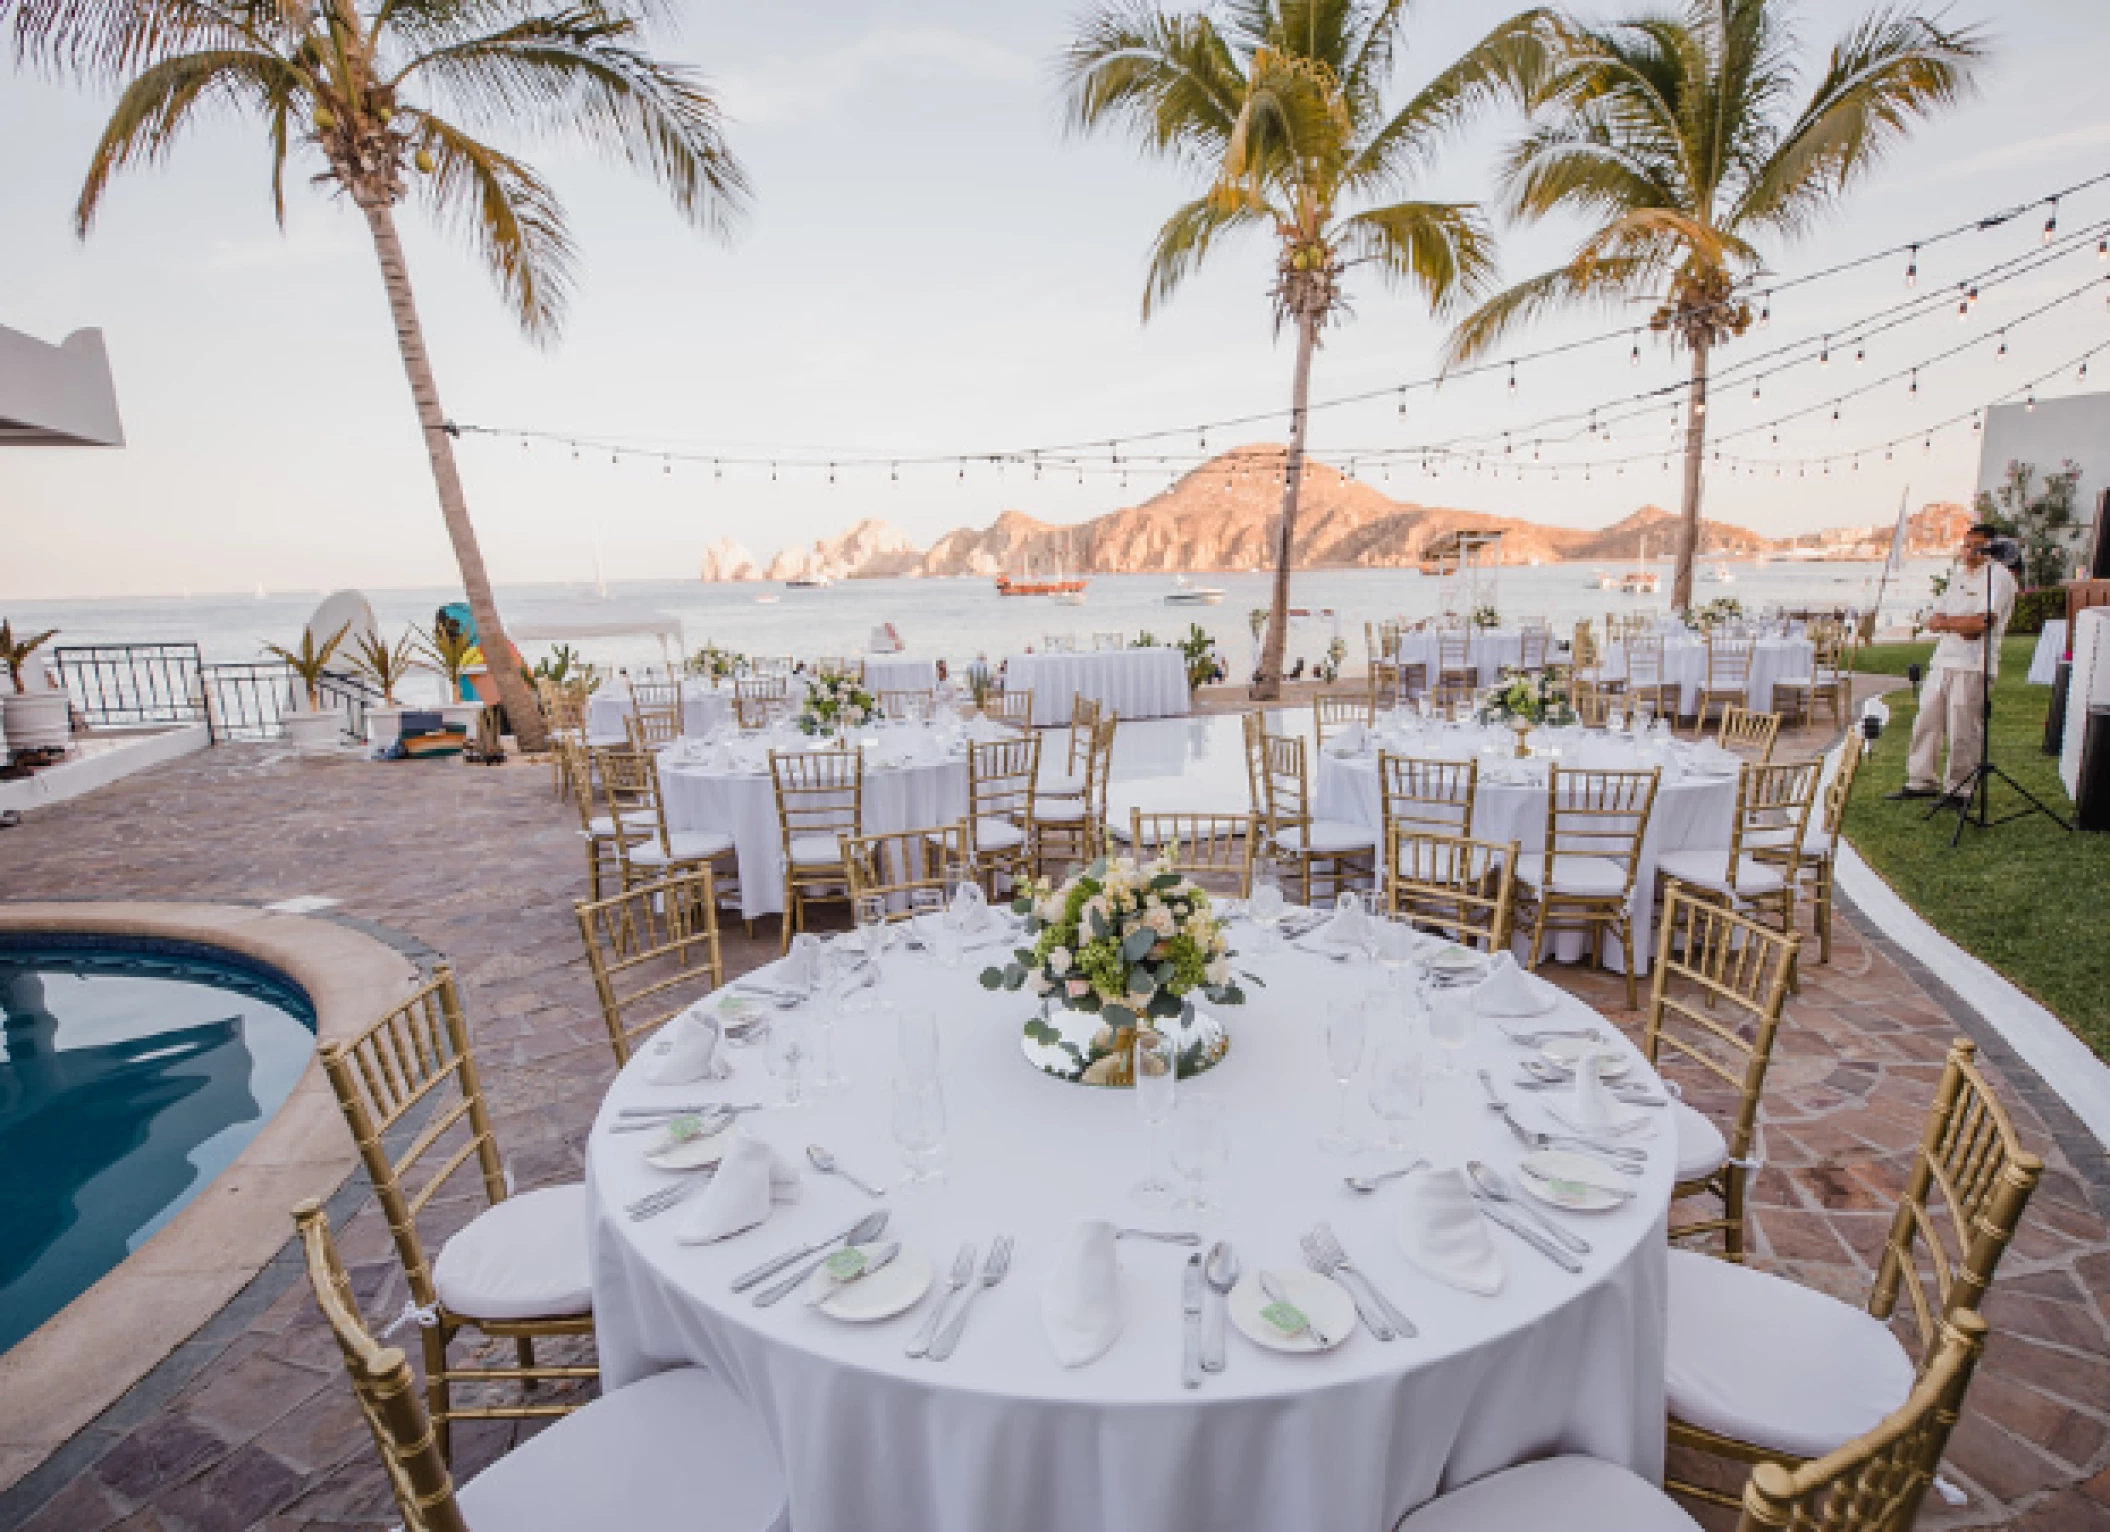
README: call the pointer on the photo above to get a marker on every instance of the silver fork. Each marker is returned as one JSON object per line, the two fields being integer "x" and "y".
{"x": 1319, "y": 1261}
{"x": 1331, "y": 1245}
{"x": 1629, "y": 1161}
{"x": 962, "y": 1274}
{"x": 993, "y": 1270}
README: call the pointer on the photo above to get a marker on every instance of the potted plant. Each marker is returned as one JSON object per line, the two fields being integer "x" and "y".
{"x": 36, "y": 716}
{"x": 451, "y": 652}
{"x": 313, "y": 729}
{"x": 386, "y": 665}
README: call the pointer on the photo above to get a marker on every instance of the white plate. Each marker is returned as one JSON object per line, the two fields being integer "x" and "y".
{"x": 1321, "y": 1298}
{"x": 1449, "y": 957}
{"x": 894, "y": 1289}
{"x": 690, "y": 1154}
{"x": 1566, "y": 1050}
{"x": 1546, "y": 994}
{"x": 1563, "y": 1164}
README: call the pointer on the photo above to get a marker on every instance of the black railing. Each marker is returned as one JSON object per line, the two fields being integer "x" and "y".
{"x": 249, "y": 700}
{"x": 121, "y": 685}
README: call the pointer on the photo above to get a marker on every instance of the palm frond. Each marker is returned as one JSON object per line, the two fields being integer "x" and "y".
{"x": 108, "y": 41}
{"x": 1184, "y": 241}
{"x": 1509, "y": 63}
{"x": 1581, "y": 166}
{"x": 509, "y": 216}
{"x": 1589, "y": 283}
{"x": 1171, "y": 80}
{"x": 1443, "y": 248}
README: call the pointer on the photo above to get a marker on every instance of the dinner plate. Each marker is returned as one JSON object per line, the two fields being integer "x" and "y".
{"x": 689, "y": 1154}
{"x": 1319, "y": 1297}
{"x": 1539, "y": 1169}
{"x": 1566, "y": 1050}
{"x": 1449, "y": 957}
{"x": 894, "y": 1289}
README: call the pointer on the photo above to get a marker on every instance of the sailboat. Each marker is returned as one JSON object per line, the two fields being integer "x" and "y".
{"x": 1185, "y": 592}
{"x": 1643, "y": 581}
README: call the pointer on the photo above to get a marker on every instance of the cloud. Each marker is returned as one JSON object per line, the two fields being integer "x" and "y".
{"x": 808, "y": 87}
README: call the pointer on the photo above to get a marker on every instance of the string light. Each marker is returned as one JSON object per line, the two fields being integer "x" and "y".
{"x": 2001, "y": 354}
{"x": 2051, "y": 224}
{"x": 1634, "y": 357}
{"x": 667, "y": 465}
{"x": 1512, "y": 380}
{"x": 1824, "y": 352}
{"x": 1914, "y": 390}
{"x": 1860, "y": 354}
{"x": 1912, "y": 268}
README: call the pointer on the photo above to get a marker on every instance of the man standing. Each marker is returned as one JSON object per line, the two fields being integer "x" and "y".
{"x": 1952, "y": 698}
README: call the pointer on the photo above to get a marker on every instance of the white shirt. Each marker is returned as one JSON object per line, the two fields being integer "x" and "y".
{"x": 1965, "y": 597}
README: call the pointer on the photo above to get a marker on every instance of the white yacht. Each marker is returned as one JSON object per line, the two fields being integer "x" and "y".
{"x": 1185, "y": 592}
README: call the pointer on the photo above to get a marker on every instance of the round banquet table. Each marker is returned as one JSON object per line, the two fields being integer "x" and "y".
{"x": 703, "y": 708}
{"x": 1000, "y": 1435}
{"x": 1693, "y": 807}
{"x": 911, "y": 781}
{"x": 900, "y": 673}
{"x": 1489, "y": 651}
{"x": 1685, "y": 662}
{"x": 1135, "y": 683}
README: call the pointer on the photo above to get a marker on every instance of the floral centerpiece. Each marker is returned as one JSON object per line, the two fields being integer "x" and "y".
{"x": 1127, "y": 943}
{"x": 1525, "y": 702}
{"x": 835, "y": 702}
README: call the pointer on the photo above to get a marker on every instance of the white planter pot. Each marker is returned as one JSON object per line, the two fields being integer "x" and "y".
{"x": 37, "y": 721}
{"x": 384, "y": 726}
{"x": 315, "y": 733}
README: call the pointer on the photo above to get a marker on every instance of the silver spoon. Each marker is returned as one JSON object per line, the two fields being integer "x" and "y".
{"x": 824, "y": 1162}
{"x": 1369, "y": 1184}
{"x": 1496, "y": 1189}
{"x": 1221, "y": 1269}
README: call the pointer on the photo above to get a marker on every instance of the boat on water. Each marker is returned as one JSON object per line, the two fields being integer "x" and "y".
{"x": 1641, "y": 582}
{"x": 1604, "y": 580}
{"x": 769, "y": 600}
{"x": 1006, "y": 586}
{"x": 1185, "y": 592}
{"x": 809, "y": 582}
{"x": 1717, "y": 574}
{"x": 1068, "y": 598}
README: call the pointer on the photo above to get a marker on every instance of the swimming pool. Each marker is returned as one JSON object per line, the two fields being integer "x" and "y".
{"x": 132, "y": 1071}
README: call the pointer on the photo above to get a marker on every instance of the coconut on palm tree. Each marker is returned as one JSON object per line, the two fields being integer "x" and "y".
{"x": 1687, "y": 140}
{"x": 1279, "y": 106}
{"x": 387, "y": 97}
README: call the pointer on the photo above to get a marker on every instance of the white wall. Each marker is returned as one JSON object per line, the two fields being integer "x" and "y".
{"x": 2056, "y": 430}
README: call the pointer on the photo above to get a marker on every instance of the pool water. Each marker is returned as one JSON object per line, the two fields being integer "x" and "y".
{"x": 132, "y": 1072}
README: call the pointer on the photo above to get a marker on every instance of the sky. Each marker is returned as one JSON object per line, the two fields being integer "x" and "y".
{"x": 929, "y": 265}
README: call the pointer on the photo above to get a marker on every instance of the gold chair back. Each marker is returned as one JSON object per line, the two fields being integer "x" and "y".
{"x": 897, "y": 863}
{"x": 1591, "y": 703}
{"x": 1743, "y": 730}
{"x": 1454, "y": 657}
{"x": 631, "y": 780}
{"x": 1288, "y": 783}
{"x": 1387, "y": 684}
{"x": 1421, "y": 795}
{"x": 1198, "y": 846}
{"x": 1331, "y": 712}
{"x": 1253, "y": 727}
{"x": 1084, "y": 718}
{"x": 1534, "y": 645}
{"x": 656, "y": 694}
{"x": 1461, "y": 887}
{"x": 653, "y": 951}
{"x": 839, "y": 667}
{"x": 1453, "y": 701}
{"x": 819, "y": 792}
{"x": 1840, "y": 790}
{"x": 1102, "y": 642}
{"x": 1002, "y": 778}
{"x": 1601, "y": 814}
{"x": 1012, "y": 708}
{"x": 651, "y": 727}
{"x": 1773, "y": 812}
{"x": 1728, "y": 663}
{"x": 758, "y": 699}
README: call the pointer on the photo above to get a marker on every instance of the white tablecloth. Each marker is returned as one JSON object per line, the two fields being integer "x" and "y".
{"x": 1135, "y": 683}
{"x": 743, "y": 804}
{"x": 1488, "y": 652}
{"x": 1690, "y": 810}
{"x": 703, "y": 708}
{"x": 2051, "y": 648}
{"x": 1000, "y": 1436}
{"x": 899, "y": 673}
{"x": 1685, "y": 662}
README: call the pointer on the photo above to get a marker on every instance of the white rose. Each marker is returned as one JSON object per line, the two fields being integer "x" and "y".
{"x": 1160, "y": 921}
{"x": 1218, "y": 972}
{"x": 1039, "y": 983}
{"x": 1059, "y": 961}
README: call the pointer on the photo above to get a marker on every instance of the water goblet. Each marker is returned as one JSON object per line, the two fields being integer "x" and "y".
{"x": 1396, "y": 1087}
{"x": 787, "y": 1054}
{"x": 918, "y": 1123}
{"x": 1396, "y": 940}
{"x": 1347, "y": 1035}
{"x": 838, "y": 980}
{"x": 1265, "y": 904}
{"x": 1614, "y": 721}
{"x": 1155, "y": 1068}
{"x": 1200, "y": 1148}
{"x": 926, "y": 914}
{"x": 1450, "y": 1026}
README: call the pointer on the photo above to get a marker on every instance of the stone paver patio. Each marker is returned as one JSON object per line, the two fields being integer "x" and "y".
{"x": 251, "y": 1423}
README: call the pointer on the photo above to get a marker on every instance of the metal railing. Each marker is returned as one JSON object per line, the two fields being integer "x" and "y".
{"x": 249, "y": 700}
{"x": 124, "y": 685}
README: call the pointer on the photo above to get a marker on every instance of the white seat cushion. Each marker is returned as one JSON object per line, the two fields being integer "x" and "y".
{"x": 689, "y": 846}
{"x": 523, "y": 1259}
{"x": 1708, "y": 868}
{"x": 1059, "y": 810}
{"x": 1800, "y": 682}
{"x": 603, "y": 825}
{"x": 1059, "y": 784}
{"x": 1574, "y": 1494}
{"x": 1773, "y": 1363}
{"x": 1329, "y": 837}
{"x": 1588, "y": 876}
{"x": 1701, "y": 1148}
{"x": 816, "y": 851}
{"x": 663, "y": 1452}
{"x": 997, "y": 834}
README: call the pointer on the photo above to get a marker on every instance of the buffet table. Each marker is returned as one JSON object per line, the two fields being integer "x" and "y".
{"x": 1003, "y": 1436}
{"x": 1134, "y": 683}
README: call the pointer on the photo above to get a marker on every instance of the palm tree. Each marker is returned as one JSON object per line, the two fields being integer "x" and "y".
{"x": 1681, "y": 139}
{"x": 367, "y": 90}
{"x": 1280, "y": 105}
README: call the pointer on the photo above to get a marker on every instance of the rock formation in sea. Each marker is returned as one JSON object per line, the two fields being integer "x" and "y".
{"x": 728, "y": 560}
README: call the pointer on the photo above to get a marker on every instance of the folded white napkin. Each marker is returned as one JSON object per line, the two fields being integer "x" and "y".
{"x": 799, "y": 969}
{"x": 1345, "y": 929}
{"x": 1442, "y": 1232}
{"x": 1507, "y": 990}
{"x": 1080, "y": 1307}
{"x": 687, "y": 1049}
{"x": 970, "y": 907}
{"x": 1593, "y": 1108}
{"x": 750, "y": 1179}
{"x": 1349, "y": 741}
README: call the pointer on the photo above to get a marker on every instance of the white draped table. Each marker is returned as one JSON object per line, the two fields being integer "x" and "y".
{"x": 2051, "y": 648}
{"x": 1135, "y": 683}
{"x": 900, "y": 673}
{"x": 1691, "y": 809}
{"x": 1685, "y": 662}
{"x": 703, "y": 708}
{"x": 1489, "y": 651}
{"x": 1001, "y": 1436}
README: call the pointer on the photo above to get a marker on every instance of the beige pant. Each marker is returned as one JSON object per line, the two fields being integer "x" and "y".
{"x": 1949, "y": 704}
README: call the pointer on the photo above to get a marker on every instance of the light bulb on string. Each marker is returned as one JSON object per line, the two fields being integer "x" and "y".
{"x": 2051, "y": 224}
{"x": 1512, "y": 380}
{"x": 717, "y": 469}
{"x": 2029, "y": 405}
{"x": 2083, "y": 373}
{"x": 2102, "y": 248}
{"x": 1765, "y": 314}
{"x": 831, "y": 473}
{"x": 772, "y": 473}
{"x": 666, "y": 465}
{"x": 1634, "y": 357}
{"x": 1402, "y": 404}
{"x": 1824, "y": 352}
{"x": 1915, "y": 388}
{"x": 2001, "y": 354}
{"x": 575, "y": 452}
{"x": 1201, "y": 440}
{"x": 1860, "y": 354}
{"x": 1754, "y": 388}
{"x": 614, "y": 461}
{"x": 1912, "y": 268}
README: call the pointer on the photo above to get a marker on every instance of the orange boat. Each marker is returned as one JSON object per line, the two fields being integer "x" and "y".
{"x": 1006, "y": 586}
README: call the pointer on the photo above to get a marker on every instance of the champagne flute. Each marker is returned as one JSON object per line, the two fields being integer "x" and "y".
{"x": 1155, "y": 1069}
{"x": 788, "y": 1051}
{"x": 926, "y": 917}
{"x": 916, "y": 1041}
{"x": 1396, "y": 1087}
{"x": 1347, "y": 1035}
{"x": 837, "y": 978}
{"x": 1264, "y": 904}
{"x": 918, "y": 1123}
{"x": 1200, "y": 1149}
{"x": 1451, "y": 1026}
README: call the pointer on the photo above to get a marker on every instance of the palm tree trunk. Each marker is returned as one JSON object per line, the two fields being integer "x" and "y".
{"x": 521, "y": 711}
{"x": 1695, "y": 452}
{"x": 1267, "y": 686}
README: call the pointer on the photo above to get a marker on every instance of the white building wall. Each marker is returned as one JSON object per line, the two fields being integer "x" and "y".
{"x": 2047, "y": 436}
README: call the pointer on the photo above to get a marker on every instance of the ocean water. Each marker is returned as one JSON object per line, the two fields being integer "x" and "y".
{"x": 959, "y": 619}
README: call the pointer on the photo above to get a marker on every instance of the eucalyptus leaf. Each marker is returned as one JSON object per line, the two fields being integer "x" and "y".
{"x": 1117, "y": 1016}
{"x": 992, "y": 978}
{"x": 1138, "y": 943}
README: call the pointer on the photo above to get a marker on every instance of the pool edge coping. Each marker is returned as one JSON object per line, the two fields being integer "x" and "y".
{"x": 72, "y": 1368}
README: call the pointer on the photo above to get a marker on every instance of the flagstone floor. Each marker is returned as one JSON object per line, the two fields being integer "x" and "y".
{"x": 252, "y": 1425}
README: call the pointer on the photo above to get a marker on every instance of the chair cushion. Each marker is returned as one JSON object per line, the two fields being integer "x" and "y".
{"x": 1329, "y": 837}
{"x": 1708, "y": 868}
{"x": 1058, "y": 784}
{"x": 689, "y": 846}
{"x": 659, "y": 1452}
{"x": 1770, "y": 1362}
{"x": 1588, "y": 876}
{"x": 1801, "y": 683}
{"x": 997, "y": 835}
{"x": 1058, "y": 810}
{"x": 1701, "y": 1148}
{"x": 816, "y": 851}
{"x": 602, "y": 826}
{"x": 523, "y": 1259}
{"x": 1575, "y": 1494}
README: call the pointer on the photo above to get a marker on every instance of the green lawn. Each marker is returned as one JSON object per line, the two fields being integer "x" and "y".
{"x": 2026, "y": 897}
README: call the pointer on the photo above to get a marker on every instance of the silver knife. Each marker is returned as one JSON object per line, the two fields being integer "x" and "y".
{"x": 1530, "y": 1236}
{"x": 1191, "y": 1306}
{"x": 768, "y": 1269}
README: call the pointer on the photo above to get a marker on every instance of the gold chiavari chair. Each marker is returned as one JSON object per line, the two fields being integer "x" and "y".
{"x": 1834, "y": 674}
{"x": 1534, "y": 649}
{"x": 652, "y": 949}
{"x": 1743, "y": 730}
{"x": 1102, "y": 642}
{"x": 518, "y": 1269}
{"x": 1337, "y": 851}
{"x": 772, "y": 665}
{"x": 839, "y": 667}
{"x": 1586, "y": 661}
{"x": 1592, "y": 703}
{"x": 1831, "y": 1371}
{"x": 1068, "y": 831}
{"x": 909, "y": 704}
{"x": 757, "y": 700}
{"x": 1820, "y": 843}
{"x": 1002, "y": 779}
{"x": 1386, "y": 685}
{"x": 631, "y": 778}
{"x": 564, "y": 716}
{"x": 1461, "y": 887}
{"x": 651, "y": 727}
{"x": 1733, "y": 975}
{"x": 566, "y": 1476}
{"x": 601, "y": 826}
{"x": 1453, "y": 702}
{"x": 1204, "y": 847}
{"x": 820, "y": 804}
{"x": 1874, "y": 1483}
{"x": 1014, "y": 709}
{"x": 1067, "y": 779}
{"x": 896, "y": 863}
{"x": 1426, "y": 795}
{"x": 665, "y": 695}
{"x": 1646, "y": 682}
{"x": 1772, "y": 812}
{"x": 1728, "y": 677}
{"x": 1454, "y": 662}
{"x": 1334, "y": 711}
{"x": 1584, "y": 880}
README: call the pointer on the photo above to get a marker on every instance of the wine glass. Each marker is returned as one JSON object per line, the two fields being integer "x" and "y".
{"x": 1200, "y": 1148}
{"x": 1395, "y": 940}
{"x": 1450, "y": 1026}
{"x": 789, "y": 1051}
{"x": 1347, "y": 1034}
{"x": 1396, "y": 1087}
{"x": 1156, "y": 1070}
{"x": 926, "y": 914}
{"x": 1264, "y": 904}
{"x": 916, "y": 1041}
{"x": 837, "y": 979}
{"x": 1614, "y": 720}
{"x": 918, "y": 1123}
